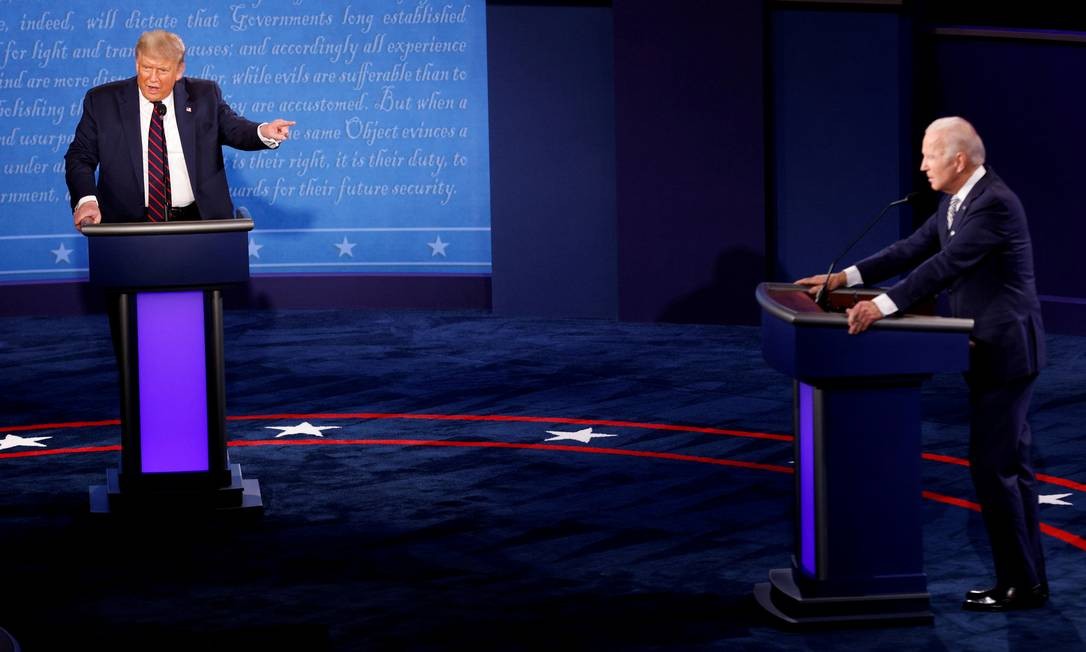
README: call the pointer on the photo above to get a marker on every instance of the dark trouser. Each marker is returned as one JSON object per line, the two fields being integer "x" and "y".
{"x": 1000, "y": 463}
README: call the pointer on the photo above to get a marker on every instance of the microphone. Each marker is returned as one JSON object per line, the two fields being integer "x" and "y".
{"x": 160, "y": 108}
{"x": 823, "y": 297}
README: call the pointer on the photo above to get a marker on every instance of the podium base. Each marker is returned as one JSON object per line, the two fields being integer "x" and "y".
{"x": 783, "y": 600}
{"x": 240, "y": 496}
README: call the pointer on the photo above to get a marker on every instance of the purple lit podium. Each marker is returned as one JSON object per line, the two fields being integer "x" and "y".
{"x": 166, "y": 280}
{"x": 858, "y": 555}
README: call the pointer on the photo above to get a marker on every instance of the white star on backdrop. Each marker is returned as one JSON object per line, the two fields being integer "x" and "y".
{"x": 345, "y": 248}
{"x": 303, "y": 428}
{"x": 583, "y": 436}
{"x": 438, "y": 247}
{"x": 11, "y": 441}
{"x": 1053, "y": 499}
{"x": 62, "y": 254}
{"x": 254, "y": 248}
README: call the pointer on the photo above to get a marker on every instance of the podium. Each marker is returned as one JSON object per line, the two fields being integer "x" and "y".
{"x": 858, "y": 550}
{"x": 163, "y": 283}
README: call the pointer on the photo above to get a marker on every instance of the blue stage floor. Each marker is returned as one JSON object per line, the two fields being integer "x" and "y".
{"x": 438, "y": 480}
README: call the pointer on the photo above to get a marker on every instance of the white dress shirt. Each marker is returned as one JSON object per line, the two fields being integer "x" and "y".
{"x": 179, "y": 174}
{"x": 883, "y": 302}
{"x": 180, "y": 184}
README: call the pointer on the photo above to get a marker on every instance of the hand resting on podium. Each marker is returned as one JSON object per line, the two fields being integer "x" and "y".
{"x": 87, "y": 213}
{"x": 860, "y": 316}
{"x": 815, "y": 283}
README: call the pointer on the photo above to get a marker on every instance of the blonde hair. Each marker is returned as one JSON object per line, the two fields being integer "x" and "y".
{"x": 958, "y": 136}
{"x": 161, "y": 44}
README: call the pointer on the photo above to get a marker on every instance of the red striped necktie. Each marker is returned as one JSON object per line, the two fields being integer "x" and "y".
{"x": 158, "y": 168}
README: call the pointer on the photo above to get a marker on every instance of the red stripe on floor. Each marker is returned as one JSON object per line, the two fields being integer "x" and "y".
{"x": 934, "y": 457}
{"x": 70, "y": 424}
{"x": 61, "y": 451}
{"x": 1043, "y": 477}
{"x": 1062, "y": 535}
{"x": 950, "y": 500}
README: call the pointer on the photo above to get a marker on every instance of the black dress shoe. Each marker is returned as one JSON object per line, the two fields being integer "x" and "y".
{"x": 977, "y": 594}
{"x": 1008, "y": 599}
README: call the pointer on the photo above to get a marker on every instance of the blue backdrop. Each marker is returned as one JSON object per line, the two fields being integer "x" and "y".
{"x": 388, "y": 169}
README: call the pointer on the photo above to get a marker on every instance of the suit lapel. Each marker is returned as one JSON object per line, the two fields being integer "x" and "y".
{"x": 186, "y": 125}
{"x": 940, "y": 214}
{"x": 964, "y": 212}
{"x": 129, "y": 108}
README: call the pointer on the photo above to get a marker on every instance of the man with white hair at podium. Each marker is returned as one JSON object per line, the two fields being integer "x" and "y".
{"x": 976, "y": 248}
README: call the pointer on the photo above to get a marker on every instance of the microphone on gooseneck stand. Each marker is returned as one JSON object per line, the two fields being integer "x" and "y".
{"x": 823, "y": 296}
{"x": 160, "y": 108}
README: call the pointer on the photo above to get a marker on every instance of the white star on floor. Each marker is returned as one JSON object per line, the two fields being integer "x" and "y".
{"x": 11, "y": 441}
{"x": 438, "y": 247}
{"x": 254, "y": 248}
{"x": 345, "y": 248}
{"x": 583, "y": 436}
{"x": 303, "y": 428}
{"x": 1053, "y": 499}
{"x": 62, "y": 253}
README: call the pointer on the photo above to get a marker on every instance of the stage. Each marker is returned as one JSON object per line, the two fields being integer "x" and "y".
{"x": 435, "y": 480}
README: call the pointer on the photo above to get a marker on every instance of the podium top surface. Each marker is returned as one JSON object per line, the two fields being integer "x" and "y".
{"x": 791, "y": 303}
{"x": 169, "y": 255}
{"x": 168, "y": 228}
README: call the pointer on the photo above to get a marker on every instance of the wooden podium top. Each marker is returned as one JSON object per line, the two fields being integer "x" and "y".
{"x": 792, "y": 304}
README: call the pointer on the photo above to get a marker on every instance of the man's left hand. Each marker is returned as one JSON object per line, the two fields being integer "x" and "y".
{"x": 278, "y": 129}
{"x": 862, "y": 315}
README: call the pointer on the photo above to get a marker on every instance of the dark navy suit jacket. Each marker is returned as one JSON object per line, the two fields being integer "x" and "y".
{"x": 986, "y": 270}
{"x": 108, "y": 138}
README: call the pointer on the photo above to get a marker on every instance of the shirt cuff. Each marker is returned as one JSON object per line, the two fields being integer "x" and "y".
{"x": 885, "y": 304}
{"x": 84, "y": 200}
{"x": 270, "y": 142}
{"x": 852, "y": 276}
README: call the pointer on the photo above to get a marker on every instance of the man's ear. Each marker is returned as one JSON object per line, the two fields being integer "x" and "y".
{"x": 960, "y": 161}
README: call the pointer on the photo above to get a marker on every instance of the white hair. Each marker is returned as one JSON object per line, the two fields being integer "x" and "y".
{"x": 957, "y": 135}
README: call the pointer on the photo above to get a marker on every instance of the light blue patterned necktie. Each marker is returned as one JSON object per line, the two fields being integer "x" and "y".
{"x": 954, "y": 202}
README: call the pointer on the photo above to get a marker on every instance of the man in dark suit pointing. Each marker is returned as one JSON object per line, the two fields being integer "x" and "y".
{"x": 156, "y": 141}
{"x": 976, "y": 248}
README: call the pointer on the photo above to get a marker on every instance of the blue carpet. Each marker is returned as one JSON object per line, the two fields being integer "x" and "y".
{"x": 469, "y": 529}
